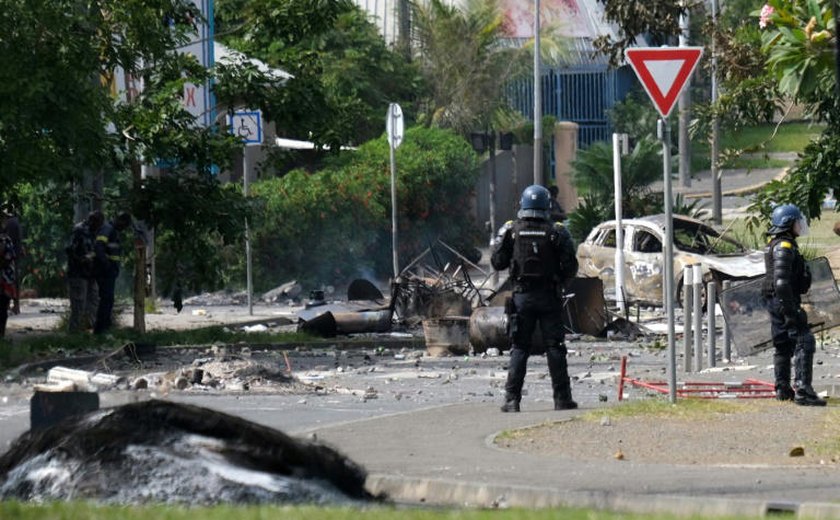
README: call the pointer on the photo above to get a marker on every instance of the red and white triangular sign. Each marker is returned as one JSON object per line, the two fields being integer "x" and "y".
{"x": 664, "y": 72}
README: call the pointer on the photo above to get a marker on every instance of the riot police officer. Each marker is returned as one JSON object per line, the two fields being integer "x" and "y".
{"x": 541, "y": 256}
{"x": 787, "y": 279}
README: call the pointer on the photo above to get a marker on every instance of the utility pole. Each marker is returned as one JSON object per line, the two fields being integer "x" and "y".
{"x": 684, "y": 108}
{"x": 717, "y": 192}
{"x": 538, "y": 133}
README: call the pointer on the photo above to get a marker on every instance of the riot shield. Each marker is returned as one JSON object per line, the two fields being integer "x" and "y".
{"x": 745, "y": 309}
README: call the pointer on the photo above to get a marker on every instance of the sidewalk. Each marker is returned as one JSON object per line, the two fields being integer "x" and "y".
{"x": 445, "y": 456}
{"x": 734, "y": 182}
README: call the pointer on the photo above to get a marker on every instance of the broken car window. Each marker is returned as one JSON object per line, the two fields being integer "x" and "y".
{"x": 646, "y": 242}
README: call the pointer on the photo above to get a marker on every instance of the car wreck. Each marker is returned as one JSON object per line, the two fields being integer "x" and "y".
{"x": 720, "y": 256}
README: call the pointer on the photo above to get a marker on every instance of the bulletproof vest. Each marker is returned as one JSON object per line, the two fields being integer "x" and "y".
{"x": 797, "y": 269}
{"x": 533, "y": 251}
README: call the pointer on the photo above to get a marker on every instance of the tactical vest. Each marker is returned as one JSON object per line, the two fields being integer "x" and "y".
{"x": 768, "y": 288}
{"x": 533, "y": 252}
{"x": 797, "y": 269}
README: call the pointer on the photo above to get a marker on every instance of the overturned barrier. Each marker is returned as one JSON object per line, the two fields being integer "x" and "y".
{"x": 747, "y": 389}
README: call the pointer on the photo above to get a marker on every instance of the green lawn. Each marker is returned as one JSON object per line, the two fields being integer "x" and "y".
{"x": 791, "y": 137}
{"x": 83, "y": 511}
{"x": 820, "y": 239}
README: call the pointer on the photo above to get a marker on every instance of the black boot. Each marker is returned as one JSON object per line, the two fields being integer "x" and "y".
{"x": 559, "y": 371}
{"x": 804, "y": 365}
{"x": 511, "y": 404}
{"x": 781, "y": 367}
{"x": 516, "y": 378}
{"x": 784, "y": 392}
{"x": 805, "y": 396}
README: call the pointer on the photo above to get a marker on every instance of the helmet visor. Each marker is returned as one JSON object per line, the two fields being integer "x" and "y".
{"x": 800, "y": 227}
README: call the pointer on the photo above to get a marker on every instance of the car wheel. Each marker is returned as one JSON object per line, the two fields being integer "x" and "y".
{"x": 681, "y": 293}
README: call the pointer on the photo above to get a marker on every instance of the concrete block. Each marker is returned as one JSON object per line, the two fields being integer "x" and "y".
{"x": 49, "y": 408}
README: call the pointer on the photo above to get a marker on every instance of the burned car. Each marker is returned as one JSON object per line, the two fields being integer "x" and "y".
{"x": 721, "y": 257}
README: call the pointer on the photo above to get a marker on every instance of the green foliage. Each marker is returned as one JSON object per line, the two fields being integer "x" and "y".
{"x": 593, "y": 168}
{"x": 591, "y": 211}
{"x": 54, "y": 111}
{"x": 634, "y": 116}
{"x": 695, "y": 209}
{"x": 334, "y": 225}
{"x": 657, "y": 19}
{"x": 344, "y": 75}
{"x": 46, "y": 212}
{"x": 799, "y": 41}
{"x": 192, "y": 239}
{"x": 806, "y": 184}
{"x": 464, "y": 62}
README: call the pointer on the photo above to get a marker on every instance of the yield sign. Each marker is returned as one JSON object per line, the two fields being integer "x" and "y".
{"x": 664, "y": 72}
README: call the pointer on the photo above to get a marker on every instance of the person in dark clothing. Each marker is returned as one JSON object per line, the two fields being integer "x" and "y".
{"x": 81, "y": 282}
{"x": 787, "y": 278}
{"x": 558, "y": 214}
{"x": 541, "y": 256}
{"x": 8, "y": 281}
{"x": 107, "y": 267}
{"x": 14, "y": 230}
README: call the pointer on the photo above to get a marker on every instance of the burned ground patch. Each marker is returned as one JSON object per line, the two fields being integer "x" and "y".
{"x": 157, "y": 451}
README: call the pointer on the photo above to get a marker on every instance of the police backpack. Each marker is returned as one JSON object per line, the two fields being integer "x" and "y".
{"x": 533, "y": 251}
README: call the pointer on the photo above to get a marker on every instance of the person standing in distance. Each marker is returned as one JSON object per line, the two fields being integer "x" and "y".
{"x": 787, "y": 278}
{"x": 541, "y": 256}
{"x": 107, "y": 268}
{"x": 81, "y": 283}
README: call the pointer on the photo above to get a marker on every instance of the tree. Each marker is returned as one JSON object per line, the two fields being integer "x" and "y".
{"x": 59, "y": 116}
{"x": 798, "y": 39}
{"x": 344, "y": 75}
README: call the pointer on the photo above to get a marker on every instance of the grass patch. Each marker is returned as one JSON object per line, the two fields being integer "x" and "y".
{"x": 49, "y": 345}
{"x": 819, "y": 241}
{"x": 791, "y": 137}
{"x": 684, "y": 409}
{"x": 84, "y": 511}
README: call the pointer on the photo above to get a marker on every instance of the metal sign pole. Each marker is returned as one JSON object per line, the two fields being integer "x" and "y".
{"x": 393, "y": 115}
{"x": 668, "y": 260}
{"x": 248, "y": 273}
{"x": 538, "y": 130}
{"x": 619, "y": 232}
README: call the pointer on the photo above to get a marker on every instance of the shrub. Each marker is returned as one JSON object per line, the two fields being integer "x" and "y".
{"x": 335, "y": 225}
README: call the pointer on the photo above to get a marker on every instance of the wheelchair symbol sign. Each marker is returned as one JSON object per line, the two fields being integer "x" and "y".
{"x": 247, "y": 126}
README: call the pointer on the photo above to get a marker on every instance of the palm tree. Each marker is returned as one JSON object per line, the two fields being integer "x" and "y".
{"x": 467, "y": 60}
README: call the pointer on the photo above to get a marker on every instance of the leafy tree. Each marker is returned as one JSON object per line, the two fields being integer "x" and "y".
{"x": 343, "y": 74}
{"x": 465, "y": 59}
{"x": 59, "y": 117}
{"x": 799, "y": 39}
{"x": 657, "y": 19}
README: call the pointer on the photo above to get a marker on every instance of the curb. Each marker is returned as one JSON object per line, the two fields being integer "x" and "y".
{"x": 453, "y": 493}
{"x": 739, "y": 192}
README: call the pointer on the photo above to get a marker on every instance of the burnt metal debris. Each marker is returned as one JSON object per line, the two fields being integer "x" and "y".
{"x": 745, "y": 310}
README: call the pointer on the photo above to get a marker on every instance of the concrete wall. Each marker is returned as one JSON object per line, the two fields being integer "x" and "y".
{"x": 565, "y": 152}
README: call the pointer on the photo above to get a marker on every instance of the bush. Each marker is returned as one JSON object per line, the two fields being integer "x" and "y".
{"x": 335, "y": 225}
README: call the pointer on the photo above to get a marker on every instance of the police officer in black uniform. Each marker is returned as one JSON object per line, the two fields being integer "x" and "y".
{"x": 541, "y": 256}
{"x": 787, "y": 279}
{"x": 108, "y": 254}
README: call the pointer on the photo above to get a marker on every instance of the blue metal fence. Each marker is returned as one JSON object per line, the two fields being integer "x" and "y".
{"x": 582, "y": 94}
